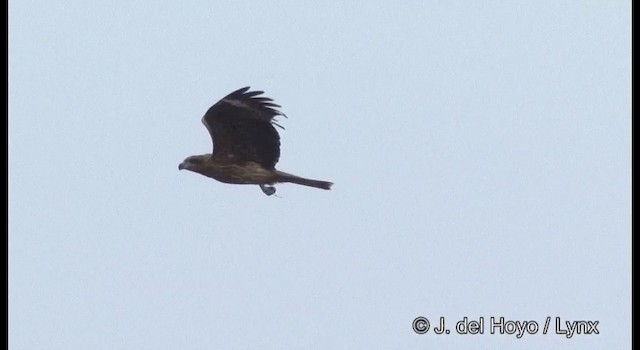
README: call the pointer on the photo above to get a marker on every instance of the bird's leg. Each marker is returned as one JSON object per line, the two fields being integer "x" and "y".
{"x": 268, "y": 190}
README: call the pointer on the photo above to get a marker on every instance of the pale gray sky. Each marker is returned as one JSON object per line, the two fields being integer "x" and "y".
{"x": 480, "y": 152}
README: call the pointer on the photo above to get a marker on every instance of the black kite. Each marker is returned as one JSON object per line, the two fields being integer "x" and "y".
{"x": 246, "y": 145}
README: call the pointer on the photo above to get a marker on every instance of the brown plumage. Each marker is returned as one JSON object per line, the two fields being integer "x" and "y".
{"x": 246, "y": 145}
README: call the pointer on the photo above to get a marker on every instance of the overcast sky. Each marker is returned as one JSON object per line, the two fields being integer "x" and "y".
{"x": 480, "y": 152}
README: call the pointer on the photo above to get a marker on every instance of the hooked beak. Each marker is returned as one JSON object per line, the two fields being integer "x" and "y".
{"x": 181, "y": 166}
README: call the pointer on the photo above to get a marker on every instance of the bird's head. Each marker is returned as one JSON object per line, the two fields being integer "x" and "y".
{"x": 194, "y": 163}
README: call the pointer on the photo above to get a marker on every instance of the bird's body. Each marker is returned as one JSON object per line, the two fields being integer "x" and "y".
{"x": 246, "y": 145}
{"x": 231, "y": 172}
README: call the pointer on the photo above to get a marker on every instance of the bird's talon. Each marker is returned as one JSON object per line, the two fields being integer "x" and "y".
{"x": 268, "y": 190}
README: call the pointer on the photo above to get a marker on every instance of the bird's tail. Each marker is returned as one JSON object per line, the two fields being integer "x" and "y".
{"x": 284, "y": 177}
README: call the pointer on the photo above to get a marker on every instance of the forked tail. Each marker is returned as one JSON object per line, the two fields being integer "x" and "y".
{"x": 284, "y": 177}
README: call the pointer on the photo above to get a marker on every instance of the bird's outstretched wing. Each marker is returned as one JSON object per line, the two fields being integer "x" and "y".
{"x": 241, "y": 126}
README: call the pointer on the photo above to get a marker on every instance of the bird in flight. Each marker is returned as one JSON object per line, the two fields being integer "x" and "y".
{"x": 246, "y": 145}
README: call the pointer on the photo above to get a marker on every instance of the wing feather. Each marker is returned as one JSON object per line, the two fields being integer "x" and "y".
{"x": 241, "y": 126}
